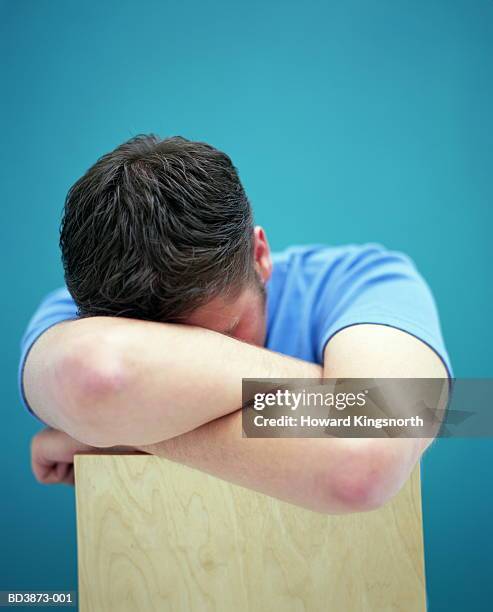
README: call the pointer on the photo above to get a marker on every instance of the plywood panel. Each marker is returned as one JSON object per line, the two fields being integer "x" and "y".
{"x": 158, "y": 536}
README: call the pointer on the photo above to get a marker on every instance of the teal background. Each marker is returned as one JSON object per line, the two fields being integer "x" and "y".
{"x": 349, "y": 120}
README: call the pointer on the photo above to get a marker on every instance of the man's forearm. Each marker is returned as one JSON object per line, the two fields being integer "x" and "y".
{"x": 289, "y": 469}
{"x": 158, "y": 381}
{"x": 330, "y": 475}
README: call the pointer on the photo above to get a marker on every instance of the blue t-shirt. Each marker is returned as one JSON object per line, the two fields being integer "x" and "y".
{"x": 314, "y": 292}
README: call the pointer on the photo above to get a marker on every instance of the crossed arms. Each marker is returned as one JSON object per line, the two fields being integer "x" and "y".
{"x": 175, "y": 391}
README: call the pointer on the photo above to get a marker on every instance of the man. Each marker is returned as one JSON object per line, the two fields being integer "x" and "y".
{"x": 172, "y": 297}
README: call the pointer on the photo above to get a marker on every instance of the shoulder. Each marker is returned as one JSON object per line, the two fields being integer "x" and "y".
{"x": 338, "y": 263}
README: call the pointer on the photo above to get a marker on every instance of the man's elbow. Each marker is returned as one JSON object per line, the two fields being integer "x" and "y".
{"x": 367, "y": 477}
{"x": 361, "y": 491}
{"x": 92, "y": 380}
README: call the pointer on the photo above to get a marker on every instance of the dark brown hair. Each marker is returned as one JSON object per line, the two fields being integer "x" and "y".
{"x": 156, "y": 228}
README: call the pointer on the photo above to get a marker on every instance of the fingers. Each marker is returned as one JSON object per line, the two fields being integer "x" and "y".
{"x": 52, "y": 454}
{"x": 61, "y": 471}
{"x": 56, "y": 473}
{"x": 65, "y": 473}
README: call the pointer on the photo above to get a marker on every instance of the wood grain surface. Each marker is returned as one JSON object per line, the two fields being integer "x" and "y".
{"x": 156, "y": 536}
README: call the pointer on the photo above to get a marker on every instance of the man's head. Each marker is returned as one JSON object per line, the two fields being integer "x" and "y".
{"x": 162, "y": 230}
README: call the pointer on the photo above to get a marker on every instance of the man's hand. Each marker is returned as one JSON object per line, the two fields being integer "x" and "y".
{"x": 52, "y": 456}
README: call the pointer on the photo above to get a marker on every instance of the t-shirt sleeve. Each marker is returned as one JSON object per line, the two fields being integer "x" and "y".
{"x": 371, "y": 284}
{"x": 55, "y": 307}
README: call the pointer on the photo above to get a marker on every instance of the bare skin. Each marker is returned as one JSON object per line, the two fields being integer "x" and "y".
{"x": 112, "y": 386}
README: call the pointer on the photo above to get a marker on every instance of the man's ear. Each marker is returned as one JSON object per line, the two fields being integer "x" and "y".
{"x": 261, "y": 253}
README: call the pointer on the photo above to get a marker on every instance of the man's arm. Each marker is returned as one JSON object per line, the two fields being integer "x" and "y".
{"x": 110, "y": 380}
{"x": 328, "y": 475}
